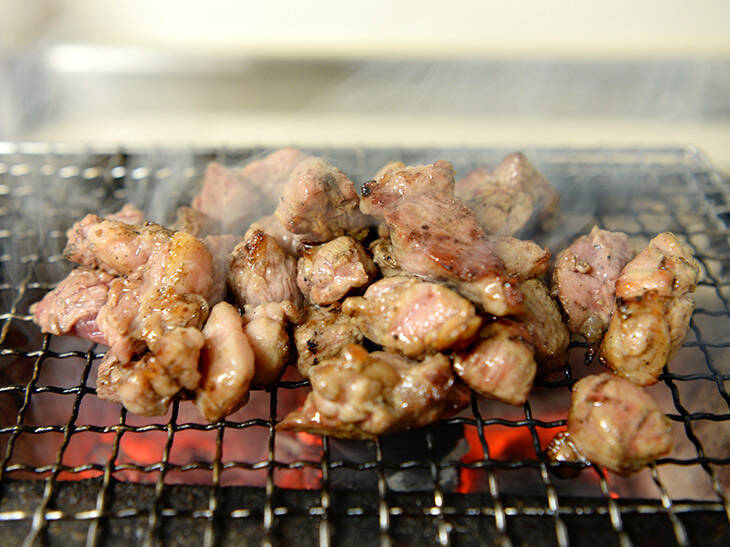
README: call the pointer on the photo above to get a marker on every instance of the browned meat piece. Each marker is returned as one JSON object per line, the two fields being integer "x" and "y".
{"x": 522, "y": 259}
{"x": 413, "y": 316}
{"x": 436, "y": 236}
{"x": 584, "y": 280}
{"x": 319, "y": 203}
{"x": 502, "y": 365}
{"x": 226, "y": 364}
{"x": 72, "y": 307}
{"x": 272, "y": 226}
{"x": 665, "y": 267}
{"x": 615, "y": 424}
{"x": 220, "y": 247}
{"x": 384, "y": 257}
{"x": 260, "y": 271}
{"x": 196, "y": 223}
{"x": 510, "y": 200}
{"x": 322, "y": 335}
{"x": 230, "y": 196}
{"x": 653, "y": 311}
{"x": 147, "y": 386}
{"x": 113, "y": 246}
{"x": 644, "y": 335}
{"x": 361, "y": 395}
{"x": 266, "y": 328}
{"x": 128, "y": 214}
{"x": 542, "y": 318}
{"x": 328, "y": 272}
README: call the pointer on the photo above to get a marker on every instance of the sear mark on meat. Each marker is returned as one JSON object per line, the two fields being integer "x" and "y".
{"x": 437, "y": 237}
{"x": 412, "y": 316}
{"x": 543, "y": 321}
{"x": 384, "y": 257}
{"x": 653, "y": 311}
{"x": 233, "y": 196}
{"x": 328, "y": 272}
{"x": 360, "y": 395}
{"x": 511, "y": 200}
{"x": 501, "y": 365}
{"x": 265, "y": 326}
{"x": 322, "y": 335}
{"x": 613, "y": 423}
{"x": 226, "y": 364}
{"x": 319, "y": 203}
{"x": 147, "y": 385}
{"x": 72, "y": 307}
{"x": 260, "y": 271}
{"x": 584, "y": 280}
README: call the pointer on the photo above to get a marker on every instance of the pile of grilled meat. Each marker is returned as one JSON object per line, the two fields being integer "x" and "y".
{"x": 394, "y": 304}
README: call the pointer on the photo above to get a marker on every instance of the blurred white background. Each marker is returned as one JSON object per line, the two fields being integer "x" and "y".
{"x": 572, "y": 73}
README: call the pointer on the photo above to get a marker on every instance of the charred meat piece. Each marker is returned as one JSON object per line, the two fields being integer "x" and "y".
{"x": 436, "y": 236}
{"x": 615, "y": 424}
{"x": 542, "y": 319}
{"x": 260, "y": 271}
{"x": 412, "y": 316}
{"x": 128, "y": 214}
{"x": 653, "y": 310}
{"x": 584, "y": 280}
{"x": 360, "y": 395}
{"x": 146, "y": 386}
{"x": 265, "y": 326}
{"x": 510, "y": 200}
{"x": 501, "y": 365}
{"x": 319, "y": 203}
{"x": 231, "y": 196}
{"x": 328, "y": 272}
{"x": 665, "y": 267}
{"x": 196, "y": 223}
{"x": 226, "y": 364}
{"x": 72, "y": 307}
{"x": 272, "y": 226}
{"x": 322, "y": 335}
{"x": 644, "y": 335}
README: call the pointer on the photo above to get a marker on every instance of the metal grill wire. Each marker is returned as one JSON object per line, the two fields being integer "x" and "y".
{"x": 677, "y": 184}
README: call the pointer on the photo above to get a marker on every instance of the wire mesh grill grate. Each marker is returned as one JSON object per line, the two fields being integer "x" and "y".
{"x": 319, "y": 490}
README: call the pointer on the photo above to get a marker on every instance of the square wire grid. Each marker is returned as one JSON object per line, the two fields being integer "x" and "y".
{"x": 642, "y": 192}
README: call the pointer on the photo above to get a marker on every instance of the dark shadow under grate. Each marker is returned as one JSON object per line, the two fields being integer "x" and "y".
{"x": 429, "y": 486}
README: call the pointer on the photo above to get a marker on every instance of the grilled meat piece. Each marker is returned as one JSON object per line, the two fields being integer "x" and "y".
{"x": 220, "y": 247}
{"x": 412, "y": 316}
{"x": 361, "y": 395}
{"x": 328, "y": 272}
{"x": 72, "y": 307}
{"x": 322, "y": 335}
{"x": 548, "y": 333}
{"x": 272, "y": 226}
{"x": 653, "y": 311}
{"x": 665, "y": 267}
{"x": 146, "y": 386}
{"x": 614, "y": 423}
{"x": 260, "y": 271}
{"x": 501, "y": 365}
{"x": 226, "y": 364}
{"x": 319, "y": 203}
{"x": 265, "y": 326}
{"x": 437, "y": 237}
{"x": 232, "y": 196}
{"x": 196, "y": 223}
{"x": 384, "y": 257}
{"x": 510, "y": 200}
{"x": 584, "y": 280}
{"x": 128, "y": 214}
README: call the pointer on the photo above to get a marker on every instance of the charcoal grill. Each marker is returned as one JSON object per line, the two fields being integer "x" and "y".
{"x": 520, "y": 499}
